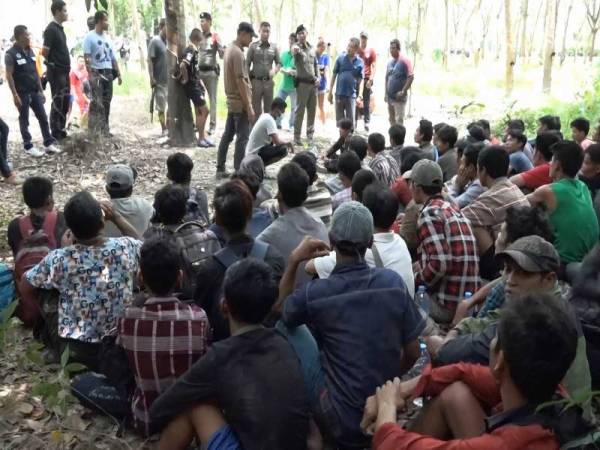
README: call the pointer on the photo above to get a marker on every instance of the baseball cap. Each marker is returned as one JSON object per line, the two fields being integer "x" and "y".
{"x": 120, "y": 176}
{"x": 246, "y": 28}
{"x": 533, "y": 254}
{"x": 364, "y": 34}
{"x": 427, "y": 173}
{"x": 352, "y": 222}
{"x": 206, "y": 15}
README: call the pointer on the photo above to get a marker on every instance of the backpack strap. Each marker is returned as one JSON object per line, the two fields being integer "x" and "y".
{"x": 259, "y": 250}
{"x": 189, "y": 224}
{"x": 49, "y": 227}
{"x": 227, "y": 257}
{"x": 377, "y": 257}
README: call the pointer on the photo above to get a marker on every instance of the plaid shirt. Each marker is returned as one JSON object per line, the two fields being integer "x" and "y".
{"x": 385, "y": 168}
{"x": 163, "y": 339}
{"x": 447, "y": 260}
{"x": 343, "y": 196}
{"x": 489, "y": 209}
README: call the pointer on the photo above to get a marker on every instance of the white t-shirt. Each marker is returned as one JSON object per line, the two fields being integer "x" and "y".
{"x": 261, "y": 133}
{"x": 394, "y": 255}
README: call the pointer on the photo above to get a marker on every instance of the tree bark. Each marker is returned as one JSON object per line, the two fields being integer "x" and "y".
{"x": 563, "y": 52}
{"x": 592, "y": 10}
{"x": 549, "y": 44}
{"x": 524, "y": 15}
{"x": 446, "y": 37}
{"x": 137, "y": 34}
{"x": 534, "y": 31}
{"x": 510, "y": 58}
{"x": 179, "y": 112}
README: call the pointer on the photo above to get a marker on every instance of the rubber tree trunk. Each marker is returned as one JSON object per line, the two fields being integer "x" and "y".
{"x": 563, "y": 52}
{"x": 446, "y": 36}
{"x": 550, "y": 33}
{"x": 524, "y": 15}
{"x": 137, "y": 34}
{"x": 510, "y": 53}
{"x": 179, "y": 113}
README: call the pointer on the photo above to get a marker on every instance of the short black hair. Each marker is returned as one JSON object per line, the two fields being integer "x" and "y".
{"x": 396, "y": 42}
{"x": 57, "y": 5}
{"x": 358, "y": 145}
{"x": 100, "y": 16}
{"x": 361, "y": 180}
{"x": 515, "y": 124}
{"x": 476, "y": 132}
{"x": 410, "y": 156}
{"x": 485, "y": 124}
{"x": 83, "y": 215}
{"x": 594, "y": 153}
{"x": 524, "y": 221}
{"x": 19, "y": 31}
{"x": 432, "y": 190}
{"x": 292, "y": 182}
{"x": 170, "y": 204}
{"x": 233, "y": 204}
{"x": 544, "y": 142}
{"x": 426, "y": 129}
{"x": 308, "y": 162}
{"x": 569, "y": 155}
{"x": 250, "y": 290}
{"x": 293, "y": 36}
{"x": 179, "y": 168}
{"x": 345, "y": 124}
{"x": 397, "y": 134}
{"x": 195, "y": 35}
{"x": 348, "y": 164}
{"x": 448, "y": 134}
{"x": 438, "y": 126}
{"x": 37, "y": 191}
{"x": 382, "y": 203}
{"x": 265, "y": 24}
{"x": 377, "y": 142}
{"x": 250, "y": 179}
{"x": 160, "y": 264}
{"x": 471, "y": 153}
{"x": 581, "y": 124}
{"x": 495, "y": 160}
{"x": 91, "y": 22}
{"x": 551, "y": 122}
{"x": 538, "y": 335}
{"x": 518, "y": 135}
{"x": 278, "y": 103}
{"x": 115, "y": 193}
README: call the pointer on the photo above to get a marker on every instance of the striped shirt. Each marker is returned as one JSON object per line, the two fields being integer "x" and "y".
{"x": 385, "y": 168}
{"x": 489, "y": 209}
{"x": 163, "y": 339}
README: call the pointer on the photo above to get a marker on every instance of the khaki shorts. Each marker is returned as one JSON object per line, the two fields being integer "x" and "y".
{"x": 160, "y": 98}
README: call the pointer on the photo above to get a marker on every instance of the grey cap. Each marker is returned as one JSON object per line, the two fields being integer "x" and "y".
{"x": 427, "y": 173}
{"x": 352, "y": 222}
{"x": 533, "y": 254}
{"x": 120, "y": 176}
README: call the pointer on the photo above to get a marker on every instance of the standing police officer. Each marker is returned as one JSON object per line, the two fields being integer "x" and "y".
{"x": 261, "y": 57}
{"x": 208, "y": 66}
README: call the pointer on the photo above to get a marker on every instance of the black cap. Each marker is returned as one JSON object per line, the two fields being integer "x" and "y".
{"x": 300, "y": 28}
{"x": 246, "y": 27}
{"x": 206, "y": 15}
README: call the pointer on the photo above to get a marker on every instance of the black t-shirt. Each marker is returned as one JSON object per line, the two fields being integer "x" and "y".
{"x": 210, "y": 282}
{"x": 255, "y": 378}
{"x": 56, "y": 40}
{"x": 190, "y": 55}
{"x": 14, "y": 232}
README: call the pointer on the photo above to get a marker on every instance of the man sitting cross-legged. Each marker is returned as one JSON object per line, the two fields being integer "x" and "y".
{"x": 495, "y": 407}
{"x": 247, "y": 391}
{"x": 162, "y": 338}
{"x": 365, "y": 325}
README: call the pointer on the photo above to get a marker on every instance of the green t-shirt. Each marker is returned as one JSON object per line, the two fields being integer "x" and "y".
{"x": 287, "y": 62}
{"x": 574, "y": 220}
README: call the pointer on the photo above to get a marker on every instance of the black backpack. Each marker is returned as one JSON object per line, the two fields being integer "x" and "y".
{"x": 196, "y": 243}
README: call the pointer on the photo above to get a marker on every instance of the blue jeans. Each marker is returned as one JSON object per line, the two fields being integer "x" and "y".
{"x": 34, "y": 101}
{"x": 292, "y": 95}
{"x": 224, "y": 439}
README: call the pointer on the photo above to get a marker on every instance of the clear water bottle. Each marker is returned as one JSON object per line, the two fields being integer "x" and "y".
{"x": 419, "y": 367}
{"x": 467, "y": 298}
{"x": 422, "y": 300}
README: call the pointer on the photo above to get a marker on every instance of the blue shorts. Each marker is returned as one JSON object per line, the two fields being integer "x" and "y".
{"x": 224, "y": 439}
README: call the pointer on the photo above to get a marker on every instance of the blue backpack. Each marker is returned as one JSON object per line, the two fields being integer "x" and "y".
{"x": 7, "y": 286}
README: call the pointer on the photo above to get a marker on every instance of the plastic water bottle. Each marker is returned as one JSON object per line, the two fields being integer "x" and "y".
{"x": 422, "y": 300}
{"x": 418, "y": 368}
{"x": 467, "y": 298}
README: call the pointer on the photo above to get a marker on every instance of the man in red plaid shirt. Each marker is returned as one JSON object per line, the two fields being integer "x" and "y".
{"x": 447, "y": 261}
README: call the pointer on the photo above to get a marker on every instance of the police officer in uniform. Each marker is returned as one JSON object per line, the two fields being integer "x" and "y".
{"x": 26, "y": 88}
{"x": 262, "y": 56}
{"x": 208, "y": 67}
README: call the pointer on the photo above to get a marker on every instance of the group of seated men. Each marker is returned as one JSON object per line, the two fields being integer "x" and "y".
{"x": 288, "y": 321}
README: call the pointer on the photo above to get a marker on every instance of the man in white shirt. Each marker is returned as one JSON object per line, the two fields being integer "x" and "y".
{"x": 388, "y": 249}
{"x": 264, "y": 139}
